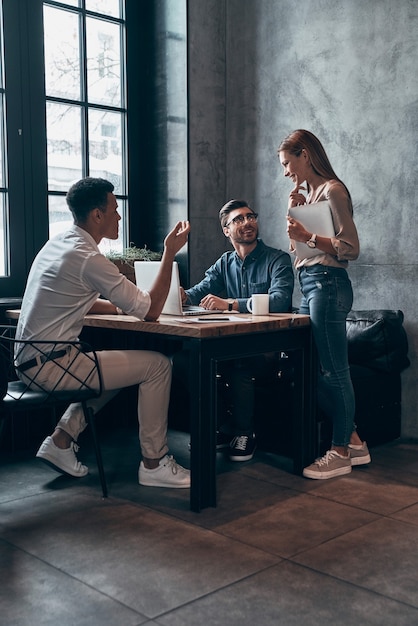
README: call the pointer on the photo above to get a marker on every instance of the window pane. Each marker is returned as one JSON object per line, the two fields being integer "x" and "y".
{"x": 84, "y": 67}
{"x": 105, "y": 147}
{"x": 62, "y": 53}
{"x": 71, "y": 3}
{"x": 103, "y": 62}
{"x": 105, "y": 7}
{"x": 60, "y": 217}
{"x": 65, "y": 161}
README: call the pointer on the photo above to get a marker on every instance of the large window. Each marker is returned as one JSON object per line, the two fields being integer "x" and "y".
{"x": 85, "y": 101}
{"x": 65, "y": 113}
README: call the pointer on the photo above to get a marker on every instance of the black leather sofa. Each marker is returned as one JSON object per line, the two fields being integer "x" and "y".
{"x": 377, "y": 353}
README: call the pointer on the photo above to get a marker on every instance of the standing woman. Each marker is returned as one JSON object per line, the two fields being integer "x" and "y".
{"x": 327, "y": 295}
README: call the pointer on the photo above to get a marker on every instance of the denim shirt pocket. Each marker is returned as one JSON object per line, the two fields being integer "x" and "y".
{"x": 258, "y": 287}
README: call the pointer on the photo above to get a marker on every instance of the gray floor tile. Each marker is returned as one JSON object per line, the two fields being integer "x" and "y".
{"x": 382, "y": 556}
{"x": 369, "y": 491}
{"x": 401, "y": 455}
{"x": 238, "y": 496}
{"x": 290, "y": 595}
{"x": 29, "y": 512}
{"x": 409, "y": 514}
{"x": 22, "y": 477}
{"x": 34, "y": 592}
{"x": 266, "y": 554}
{"x": 279, "y": 471}
{"x": 239, "y": 491}
{"x": 145, "y": 560}
{"x": 296, "y": 524}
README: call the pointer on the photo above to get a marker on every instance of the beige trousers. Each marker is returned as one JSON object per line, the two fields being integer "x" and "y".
{"x": 151, "y": 371}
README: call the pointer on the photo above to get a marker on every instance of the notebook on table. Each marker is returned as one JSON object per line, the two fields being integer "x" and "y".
{"x": 316, "y": 218}
{"x": 145, "y": 274}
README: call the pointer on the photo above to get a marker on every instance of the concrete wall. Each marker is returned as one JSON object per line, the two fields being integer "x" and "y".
{"x": 207, "y": 131}
{"x": 344, "y": 69}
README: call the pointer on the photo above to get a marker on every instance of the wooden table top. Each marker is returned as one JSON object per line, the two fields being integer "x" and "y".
{"x": 192, "y": 327}
{"x": 207, "y": 326}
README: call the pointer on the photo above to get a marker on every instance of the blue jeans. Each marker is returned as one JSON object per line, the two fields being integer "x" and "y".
{"x": 327, "y": 296}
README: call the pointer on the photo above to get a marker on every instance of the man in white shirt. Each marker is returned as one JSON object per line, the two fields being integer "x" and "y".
{"x": 66, "y": 279}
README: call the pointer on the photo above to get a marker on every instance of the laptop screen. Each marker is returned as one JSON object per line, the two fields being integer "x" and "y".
{"x": 145, "y": 275}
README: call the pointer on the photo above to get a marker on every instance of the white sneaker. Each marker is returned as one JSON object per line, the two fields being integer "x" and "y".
{"x": 64, "y": 461}
{"x": 167, "y": 474}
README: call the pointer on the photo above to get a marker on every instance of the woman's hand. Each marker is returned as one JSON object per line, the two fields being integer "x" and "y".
{"x": 296, "y": 231}
{"x": 295, "y": 197}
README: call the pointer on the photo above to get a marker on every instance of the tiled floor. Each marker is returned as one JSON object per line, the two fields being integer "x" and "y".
{"x": 278, "y": 549}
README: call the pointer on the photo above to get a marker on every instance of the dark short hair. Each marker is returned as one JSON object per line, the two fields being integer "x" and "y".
{"x": 231, "y": 206}
{"x": 88, "y": 194}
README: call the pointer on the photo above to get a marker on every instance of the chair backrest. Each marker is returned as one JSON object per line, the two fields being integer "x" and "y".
{"x": 76, "y": 372}
{"x": 74, "y": 377}
{"x": 5, "y": 358}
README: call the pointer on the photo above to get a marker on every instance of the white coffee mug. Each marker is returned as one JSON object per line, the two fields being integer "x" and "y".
{"x": 258, "y": 304}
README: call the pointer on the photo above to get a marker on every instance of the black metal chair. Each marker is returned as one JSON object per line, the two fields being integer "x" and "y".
{"x": 16, "y": 395}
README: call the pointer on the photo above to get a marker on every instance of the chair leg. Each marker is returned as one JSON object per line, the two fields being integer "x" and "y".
{"x": 2, "y": 423}
{"x": 53, "y": 417}
{"x": 90, "y": 419}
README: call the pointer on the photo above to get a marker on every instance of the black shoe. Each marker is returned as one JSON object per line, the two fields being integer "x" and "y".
{"x": 222, "y": 441}
{"x": 242, "y": 448}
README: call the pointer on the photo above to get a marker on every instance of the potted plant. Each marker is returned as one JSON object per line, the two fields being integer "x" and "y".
{"x": 124, "y": 259}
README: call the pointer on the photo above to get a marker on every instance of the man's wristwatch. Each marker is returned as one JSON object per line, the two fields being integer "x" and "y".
{"x": 230, "y": 303}
{"x": 312, "y": 241}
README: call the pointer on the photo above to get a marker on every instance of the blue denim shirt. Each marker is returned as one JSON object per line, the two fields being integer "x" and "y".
{"x": 264, "y": 270}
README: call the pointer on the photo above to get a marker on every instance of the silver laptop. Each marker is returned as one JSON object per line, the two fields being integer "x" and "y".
{"x": 145, "y": 274}
{"x": 316, "y": 218}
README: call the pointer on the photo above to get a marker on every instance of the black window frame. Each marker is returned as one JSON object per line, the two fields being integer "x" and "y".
{"x": 26, "y": 131}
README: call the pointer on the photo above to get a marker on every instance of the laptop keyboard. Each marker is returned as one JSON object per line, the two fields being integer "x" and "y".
{"x": 190, "y": 309}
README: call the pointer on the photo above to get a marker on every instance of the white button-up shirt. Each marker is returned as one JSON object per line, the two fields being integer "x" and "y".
{"x": 67, "y": 276}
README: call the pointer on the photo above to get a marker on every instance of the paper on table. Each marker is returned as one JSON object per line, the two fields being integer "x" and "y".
{"x": 208, "y": 320}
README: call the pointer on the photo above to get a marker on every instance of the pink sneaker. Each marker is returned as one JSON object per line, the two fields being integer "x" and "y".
{"x": 330, "y": 465}
{"x": 360, "y": 455}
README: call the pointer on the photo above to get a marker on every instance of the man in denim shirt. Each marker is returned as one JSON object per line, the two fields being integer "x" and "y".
{"x": 252, "y": 267}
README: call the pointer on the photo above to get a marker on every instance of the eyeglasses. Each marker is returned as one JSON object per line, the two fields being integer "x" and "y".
{"x": 240, "y": 219}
